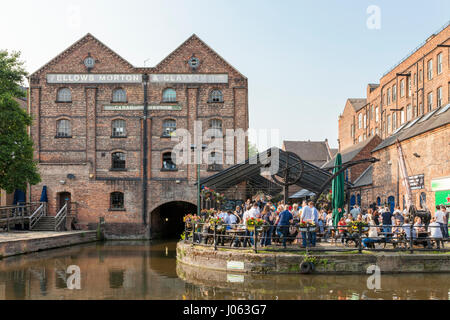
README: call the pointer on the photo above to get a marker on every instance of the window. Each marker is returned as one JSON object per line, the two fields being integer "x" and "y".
{"x": 118, "y": 160}
{"x": 216, "y": 96}
{"x": 389, "y": 123}
{"x": 439, "y": 63}
{"x": 439, "y": 97}
{"x": 352, "y": 132}
{"x": 402, "y": 116}
{"x": 169, "y": 95}
{"x": 371, "y": 112}
{"x": 365, "y": 121}
{"x": 402, "y": 88}
{"x": 421, "y": 108}
{"x": 371, "y": 132}
{"x": 420, "y": 75}
{"x": 118, "y": 128}
{"x": 215, "y": 161}
{"x": 376, "y": 114}
{"x": 119, "y": 95}
{"x": 377, "y": 131}
{"x": 415, "y": 79}
{"x": 388, "y": 96}
{"x": 430, "y": 69}
{"x": 63, "y": 128}
{"x": 430, "y": 101}
{"x": 168, "y": 162}
{"x": 360, "y": 121}
{"x": 408, "y": 112}
{"x": 64, "y": 95}
{"x": 394, "y": 121}
{"x": 359, "y": 138}
{"x": 169, "y": 127}
{"x": 216, "y": 125}
{"x": 409, "y": 87}
{"x": 394, "y": 92}
{"x": 116, "y": 201}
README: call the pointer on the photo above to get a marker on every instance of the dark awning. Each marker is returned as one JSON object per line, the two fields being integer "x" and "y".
{"x": 312, "y": 178}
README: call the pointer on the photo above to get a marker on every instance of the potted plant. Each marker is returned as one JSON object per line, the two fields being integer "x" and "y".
{"x": 303, "y": 226}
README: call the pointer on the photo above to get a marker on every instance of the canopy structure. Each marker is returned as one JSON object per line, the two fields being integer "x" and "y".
{"x": 312, "y": 178}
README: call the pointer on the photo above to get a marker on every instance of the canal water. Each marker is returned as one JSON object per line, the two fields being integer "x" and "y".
{"x": 144, "y": 270}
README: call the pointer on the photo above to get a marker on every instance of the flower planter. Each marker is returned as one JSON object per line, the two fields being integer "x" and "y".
{"x": 301, "y": 229}
{"x": 251, "y": 228}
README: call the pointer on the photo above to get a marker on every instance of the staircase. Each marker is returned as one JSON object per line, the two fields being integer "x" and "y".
{"x": 45, "y": 224}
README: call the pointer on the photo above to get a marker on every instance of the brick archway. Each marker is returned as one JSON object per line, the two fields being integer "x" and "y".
{"x": 167, "y": 219}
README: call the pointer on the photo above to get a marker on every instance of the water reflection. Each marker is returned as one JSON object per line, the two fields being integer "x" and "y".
{"x": 140, "y": 270}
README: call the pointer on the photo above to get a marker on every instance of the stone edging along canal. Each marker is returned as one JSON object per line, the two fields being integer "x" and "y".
{"x": 20, "y": 243}
{"x": 291, "y": 263}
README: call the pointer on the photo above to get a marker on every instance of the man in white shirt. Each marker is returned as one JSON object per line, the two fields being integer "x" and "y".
{"x": 434, "y": 228}
{"x": 441, "y": 218}
{"x": 254, "y": 210}
{"x": 355, "y": 211}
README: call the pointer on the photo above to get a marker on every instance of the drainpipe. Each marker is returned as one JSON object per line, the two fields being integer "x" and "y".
{"x": 145, "y": 153}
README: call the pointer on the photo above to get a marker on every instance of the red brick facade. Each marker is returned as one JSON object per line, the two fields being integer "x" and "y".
{"x": 81, "y": 164}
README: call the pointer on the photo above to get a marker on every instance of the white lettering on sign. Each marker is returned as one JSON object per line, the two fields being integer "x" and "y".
{"x": 139, "y": 108}
{"x": 94, "y": 78}
{"x": 235, "y": 265}
{"x": 189, "y": 78}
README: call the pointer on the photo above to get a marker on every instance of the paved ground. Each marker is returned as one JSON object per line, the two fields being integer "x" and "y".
{"x": 27, "y": 235}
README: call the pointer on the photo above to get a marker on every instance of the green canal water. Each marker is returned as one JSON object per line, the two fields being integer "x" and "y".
{"x": 144, "y": 270}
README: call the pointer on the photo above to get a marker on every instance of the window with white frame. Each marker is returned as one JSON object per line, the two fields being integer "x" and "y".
{"x": 352, "y": 130}
{"x": 365, "y": 121}
{"x": 360, "y": 121}
{"x": 439, "y": 97}
{"x": 439, "y": 63}
{"x": 169, "y": 95}
{"x": 64, "y": 95}
{"x": 394, "y": 121}
{"x": 408, "y": 112}
{"x": 388, "y": 96}
{"x": 421, "y": 108}
{"x": 430, "y": 69}
{"x": 402, "y": 116}
{"x": 359, "y": 138}
{"x": 409, "y": 87}
{"x": 216, "y": 96}
{"x": 119, "y": 95}
{"x": 118, "y": 128}
{"x": 376, "y": 115}
{"x": 389, "y": 123}
{"x": 394, "y": 92}
{"x": 216, "y": 125}
{"x": 402, "y": 88}
{"x": 169, "y": 127}
{"x": 430, "y": 101}
{"x": 63, "y": 128}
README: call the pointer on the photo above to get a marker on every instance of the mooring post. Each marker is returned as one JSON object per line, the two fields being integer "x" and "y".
{"x": 255, "y": 240}
{"x": 215, "y": 240}
{"x": 360, "y": 239}
{"x": 411, "y": 242}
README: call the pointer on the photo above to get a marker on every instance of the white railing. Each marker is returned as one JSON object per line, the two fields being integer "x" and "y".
{"x": 60, "y": 216}
{"x": 36, "y": 216}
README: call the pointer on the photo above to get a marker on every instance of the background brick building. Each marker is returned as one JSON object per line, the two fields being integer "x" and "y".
{"x": 409, "y": 104}
{"x": 88, "y": 134}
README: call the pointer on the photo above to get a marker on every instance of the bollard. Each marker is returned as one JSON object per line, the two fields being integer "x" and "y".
{"x": 255, "y": 240}
{"x": 360, "y": 239}
{"x": 215, "y": 240}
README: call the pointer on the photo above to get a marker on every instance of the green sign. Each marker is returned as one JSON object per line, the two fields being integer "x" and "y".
{"x": 442, "y": 197}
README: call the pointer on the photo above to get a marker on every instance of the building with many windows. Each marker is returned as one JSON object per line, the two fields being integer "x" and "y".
{"x": 409, "y": 104}
{"x": 89, "y": 132}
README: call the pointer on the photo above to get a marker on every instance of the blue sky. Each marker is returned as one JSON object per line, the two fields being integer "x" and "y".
{"x": 303, "y": 59}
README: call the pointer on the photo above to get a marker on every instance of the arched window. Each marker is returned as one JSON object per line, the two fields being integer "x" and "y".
{"x": 119, "y": 95}
{"x": 169, "y": 95}
{"x": 423, "y": 200}
{"x": 378, "y": 201}
{"x": 216, "y": 125}
{"x": 169, "y": 127}
{"x": 358, "y": 199}
{"x": 216, "y": 96}
{"x": 118, "y": 128}
{"x": 117, "y": 201}
{"x": 352, "y": 201}
{"x": 118, "y": 160}
{"x": 168, "y": 162}
{"x": 64, "y": 95}
{"x": 63, "y": 128}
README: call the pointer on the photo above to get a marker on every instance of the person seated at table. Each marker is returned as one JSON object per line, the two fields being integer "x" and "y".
{"x": 343, "y": 230}
{"x": 397, "y": 232}
{"x": 434, "y": 228}
{"x": 421, "y": 231}
{"x": 372, "y": 236}
{"x": 407, "y": 230}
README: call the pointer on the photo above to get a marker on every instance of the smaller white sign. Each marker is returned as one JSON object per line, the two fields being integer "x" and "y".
{"x": 189, "y": 78}
{"x": 139, "y": 108}
{"x": 235, "y": 265}
{"x": 235, "y": 278}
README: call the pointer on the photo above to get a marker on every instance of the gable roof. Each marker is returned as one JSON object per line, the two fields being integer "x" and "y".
{"x": 357, "y": 103}
{"x": 315, "y": 152}
{"x": 440, "y": 117}
{"x": 77, "y": 44}
{"x": 194, "y": 37}
{"x": 349, "y": 153}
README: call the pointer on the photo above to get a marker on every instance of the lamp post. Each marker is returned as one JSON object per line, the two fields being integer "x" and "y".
{"x": 145, "y": 79}
{"x": 194, "y": 147}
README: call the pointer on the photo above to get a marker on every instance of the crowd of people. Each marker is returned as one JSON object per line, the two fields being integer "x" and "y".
{"x": 282, "y": 221}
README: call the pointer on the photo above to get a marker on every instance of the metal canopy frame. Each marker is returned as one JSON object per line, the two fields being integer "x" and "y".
{"x": 312, "y": 178}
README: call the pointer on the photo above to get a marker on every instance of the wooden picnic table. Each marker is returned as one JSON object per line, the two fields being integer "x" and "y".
{"x": 234, "y": 233}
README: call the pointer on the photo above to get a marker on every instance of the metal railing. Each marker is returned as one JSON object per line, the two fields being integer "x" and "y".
{"x": 19, "y": 214}
{"x": 61, "y": 216}
{"x": 294, "y": 238}
{"x": 37, "y": 215}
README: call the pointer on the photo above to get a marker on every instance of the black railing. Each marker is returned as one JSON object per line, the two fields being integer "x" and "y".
{"x": 295, "y": 238}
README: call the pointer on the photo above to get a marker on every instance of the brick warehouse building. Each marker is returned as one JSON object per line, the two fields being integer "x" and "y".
{"x": 88, "y": 132}
{"x": 409, "y": 104}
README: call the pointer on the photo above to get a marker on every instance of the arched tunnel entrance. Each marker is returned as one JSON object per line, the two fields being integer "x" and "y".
{"x": 167, "y": 219}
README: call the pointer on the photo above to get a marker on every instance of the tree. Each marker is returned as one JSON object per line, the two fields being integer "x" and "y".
{"x": 17, "y": 167}
{"x": 252, "y": 149}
